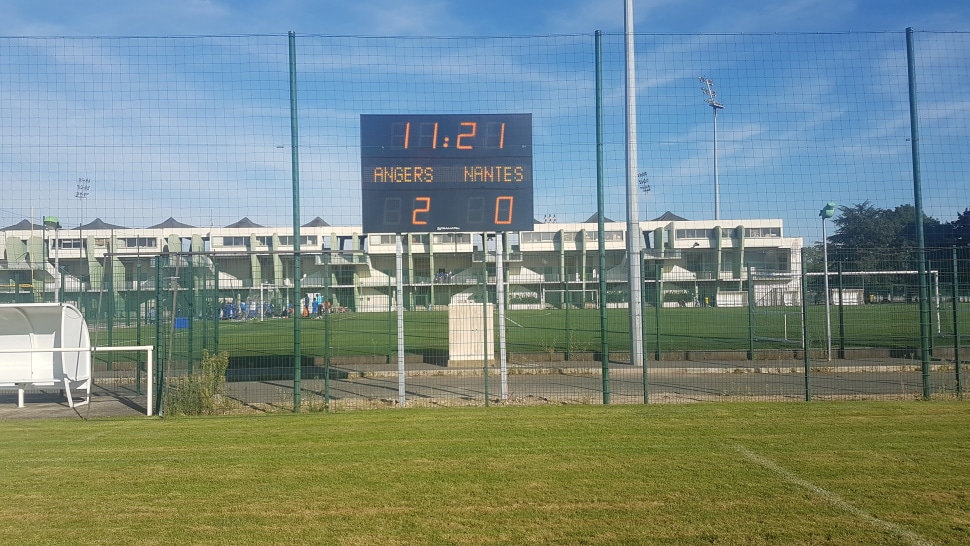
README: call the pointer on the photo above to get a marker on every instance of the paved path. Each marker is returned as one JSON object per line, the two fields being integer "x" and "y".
{"x": 577, "y": 381}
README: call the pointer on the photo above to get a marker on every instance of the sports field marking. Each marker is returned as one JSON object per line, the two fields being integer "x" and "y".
{"x": 832, "y": 498}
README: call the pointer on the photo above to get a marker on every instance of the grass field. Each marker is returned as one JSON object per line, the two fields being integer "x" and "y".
{"x": 891, "y": 326}
{"x": 819, "y": 473}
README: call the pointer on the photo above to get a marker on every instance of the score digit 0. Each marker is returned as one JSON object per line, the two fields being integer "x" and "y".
{"x": 503, "y": 217}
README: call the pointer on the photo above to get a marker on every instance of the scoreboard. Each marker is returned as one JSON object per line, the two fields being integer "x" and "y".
{"x": 454, "y": 172}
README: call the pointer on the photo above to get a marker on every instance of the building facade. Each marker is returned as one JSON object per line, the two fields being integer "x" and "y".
{"x": 685, "y": 262}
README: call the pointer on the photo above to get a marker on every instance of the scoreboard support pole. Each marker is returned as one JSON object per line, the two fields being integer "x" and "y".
{"x": 500, "y": 303}
{"x": 399, "y": 272}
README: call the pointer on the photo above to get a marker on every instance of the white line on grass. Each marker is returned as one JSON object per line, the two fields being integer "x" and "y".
{"x": 832, "y": 498}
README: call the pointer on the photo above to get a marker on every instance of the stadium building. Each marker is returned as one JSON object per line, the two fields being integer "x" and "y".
{"x": 697, "y": 262}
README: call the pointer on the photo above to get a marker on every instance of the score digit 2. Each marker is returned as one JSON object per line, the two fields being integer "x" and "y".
{"x": 423, "y": 210}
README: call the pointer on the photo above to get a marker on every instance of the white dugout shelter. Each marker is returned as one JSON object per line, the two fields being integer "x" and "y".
{"x": 45, "y": 345}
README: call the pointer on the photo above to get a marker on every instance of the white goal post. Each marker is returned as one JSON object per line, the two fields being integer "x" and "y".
{"x": 933, "y": 272}
{"x": 149, "y": 364}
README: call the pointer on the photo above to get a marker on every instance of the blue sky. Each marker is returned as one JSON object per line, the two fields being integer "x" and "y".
{"x": 182, "y": 122}
{"x": 464, "y": 18}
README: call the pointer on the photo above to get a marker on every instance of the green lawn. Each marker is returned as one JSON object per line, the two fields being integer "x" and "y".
{"x": 881, "y": 326}
{"x": 818, "y": 473}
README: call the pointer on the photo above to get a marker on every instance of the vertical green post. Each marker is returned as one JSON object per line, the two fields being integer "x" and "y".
{"x": 297, "y": 270}
{"x": 215, "y": 288}
{"x": 660, "y": 303}
{"x": 600, "y": 228}
{"x": 956, "y": 323}
{"x": 109, "y": 262}
{"x": 566, "y": 301}
{"x": 841, "y": 315}
{"x": 806, "y": 346}
{"x": 138, "y": 359}
{"x": 751, "y": 304}
{"x": 924, "y": 293}
{"x": 160, "y": 357}
{"x": 326, "y": 333}
{"x": 191, "y": 288}
{"x": 643, "y": 330}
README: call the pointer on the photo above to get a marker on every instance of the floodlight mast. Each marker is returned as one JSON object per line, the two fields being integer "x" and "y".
{"x": 83, "y": 189}
{"x": 708, "y": 90}
{"x": 643, "y": 181}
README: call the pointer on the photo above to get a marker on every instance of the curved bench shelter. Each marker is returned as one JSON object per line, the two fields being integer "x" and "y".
{"x": 45, "y": 345}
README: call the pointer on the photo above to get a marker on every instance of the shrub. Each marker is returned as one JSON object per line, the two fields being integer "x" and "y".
{"x": 200, "y": 393}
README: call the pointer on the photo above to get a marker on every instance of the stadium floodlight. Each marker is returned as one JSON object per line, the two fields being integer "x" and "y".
{"x": 827, "y": 212}
{"x": 708, "y": 90}
{"x": 83, "y": 189}
{"x": 643, "y": 180}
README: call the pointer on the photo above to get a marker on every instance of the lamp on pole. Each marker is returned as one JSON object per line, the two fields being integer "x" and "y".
{"x": 643, "y": 181}
{"x": 708, "y": 90}
{"x": 827, "y": 212}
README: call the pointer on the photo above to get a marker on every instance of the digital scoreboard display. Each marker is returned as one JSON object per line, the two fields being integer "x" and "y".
{"x": 454, "y": 172}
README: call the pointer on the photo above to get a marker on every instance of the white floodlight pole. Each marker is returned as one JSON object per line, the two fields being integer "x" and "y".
{"x": 715, "y": 106}
{"x": 633, "y": 245}
{"x": 83, "y": 189}
{"x": 643, "y": 180}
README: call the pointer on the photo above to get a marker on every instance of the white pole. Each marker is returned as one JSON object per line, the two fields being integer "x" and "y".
{"x": 828, "y": 310}
{"x": 500, "y": 302}
{"x": 717, "y": 187}
{"x": 633, "y": 235}
{"x": 399, "y": 271}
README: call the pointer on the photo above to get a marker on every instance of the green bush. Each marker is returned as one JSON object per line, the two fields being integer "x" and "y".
{"x": 200, "y": 393}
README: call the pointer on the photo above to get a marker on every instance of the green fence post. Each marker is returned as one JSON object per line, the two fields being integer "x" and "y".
{"x": 295, "y": 179}
{"x": 751, "y": 304}
{"x": 600, "y": 227}
{"x": 566, "y": 304}
{"x": 326, "y": 332}
{"x": 160, "y": 357}
{"x": 805, "y": 341}
{"x": 138, "y": 358}
{"x": 660, "y": 302}
{"x": 215, "y": 288}
{"x": 192, "y": 305}
{"x": 109, "y": 262}
{"x": 956, "y": 323}
{"x": 841, "y": 315}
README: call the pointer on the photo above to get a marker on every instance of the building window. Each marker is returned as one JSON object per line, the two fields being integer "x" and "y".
{"x": 233, "y": 241}
{"x": 763, "y": 232}
{"x": 136, "y": 242}
{"x": 452, "y": 238}
{"x": 539, "y": 236}
{"x": 68, "y": 243}
{"x": 695, "y": 233}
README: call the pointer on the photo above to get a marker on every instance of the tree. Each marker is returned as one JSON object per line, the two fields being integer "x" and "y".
{"x": 868, "y": 238}
{"x": 959, "y": 233}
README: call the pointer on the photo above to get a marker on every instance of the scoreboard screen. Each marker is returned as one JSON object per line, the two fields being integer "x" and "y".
{"x": 454, "y": 172}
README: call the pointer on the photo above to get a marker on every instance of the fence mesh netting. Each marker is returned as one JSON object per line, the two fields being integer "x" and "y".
{"x": 208, "y": 196}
